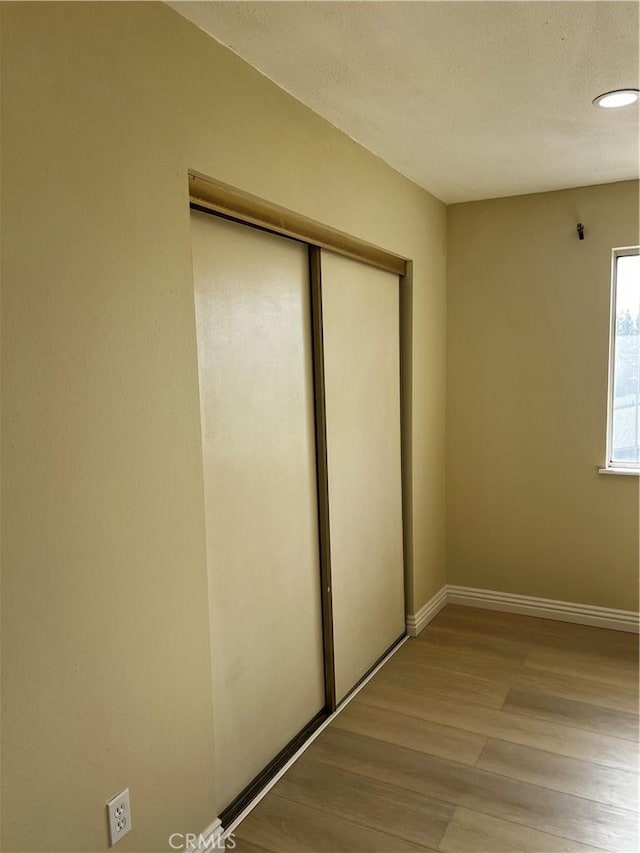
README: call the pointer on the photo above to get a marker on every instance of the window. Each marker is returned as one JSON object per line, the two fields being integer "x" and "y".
{"x": 623, "y": 434}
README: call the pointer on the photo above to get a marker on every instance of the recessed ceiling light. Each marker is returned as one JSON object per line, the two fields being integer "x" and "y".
{"x": 616, "y": 98}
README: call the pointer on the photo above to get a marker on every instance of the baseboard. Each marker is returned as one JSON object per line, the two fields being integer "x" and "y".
{"x": 528, "y": 605}
{"x": 547, "y": 608}
{"x": 210, "y": 839}
{"x": 416, "y": 622}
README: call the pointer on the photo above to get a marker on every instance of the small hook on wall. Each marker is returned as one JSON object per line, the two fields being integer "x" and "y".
{"x": 580, "y": 230}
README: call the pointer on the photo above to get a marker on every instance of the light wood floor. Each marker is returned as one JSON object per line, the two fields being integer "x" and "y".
{"x": 489, "y": 732}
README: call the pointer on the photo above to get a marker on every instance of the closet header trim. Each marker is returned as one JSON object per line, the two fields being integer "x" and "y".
{"x": 240, "y": 205}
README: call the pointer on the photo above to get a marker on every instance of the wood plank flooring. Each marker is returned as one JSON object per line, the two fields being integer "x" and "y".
{"x": 490, "y": 732}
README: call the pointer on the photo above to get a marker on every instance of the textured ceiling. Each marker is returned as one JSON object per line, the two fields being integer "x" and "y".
{"x": 470, "y": 100}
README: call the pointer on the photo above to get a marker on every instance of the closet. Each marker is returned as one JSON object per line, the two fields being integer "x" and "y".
{"x": 299, "y": 372}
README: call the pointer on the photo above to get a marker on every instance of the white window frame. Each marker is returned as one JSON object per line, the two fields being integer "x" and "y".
{"x": 611, "y": 467}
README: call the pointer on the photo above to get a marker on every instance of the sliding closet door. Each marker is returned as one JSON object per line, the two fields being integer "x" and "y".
{"x": 256, "y": 392}
{"x": 362, "y": 378}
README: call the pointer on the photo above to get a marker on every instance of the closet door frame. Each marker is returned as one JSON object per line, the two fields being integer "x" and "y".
{"x": 322, "y": 476}
{"x": 214, "y": 197}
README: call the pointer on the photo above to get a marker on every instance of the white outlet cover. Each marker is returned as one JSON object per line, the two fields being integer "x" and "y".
{"x": 119, "y": 811}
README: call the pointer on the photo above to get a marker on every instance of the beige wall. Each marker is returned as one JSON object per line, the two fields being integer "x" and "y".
{"x": 105, "y": 646}
{"x": 527, "y": 350}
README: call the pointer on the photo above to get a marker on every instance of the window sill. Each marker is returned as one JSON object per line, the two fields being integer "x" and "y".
{"x": 626, "y": 472}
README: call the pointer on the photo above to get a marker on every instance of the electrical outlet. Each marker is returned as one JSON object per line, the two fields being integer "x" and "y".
{"x": 119, "y": 811}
